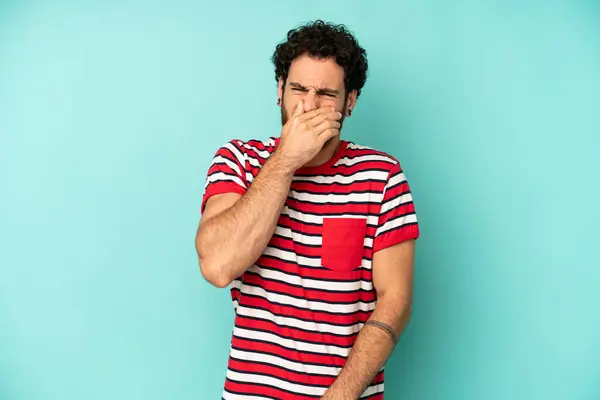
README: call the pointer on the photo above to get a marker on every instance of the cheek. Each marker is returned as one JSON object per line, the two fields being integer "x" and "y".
{"x": 329, "y": 102}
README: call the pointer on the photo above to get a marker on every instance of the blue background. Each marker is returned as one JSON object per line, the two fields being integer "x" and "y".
{"x": 110, "y": 114}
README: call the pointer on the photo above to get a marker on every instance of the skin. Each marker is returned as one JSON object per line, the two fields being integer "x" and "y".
{"x": 314, "y": 102}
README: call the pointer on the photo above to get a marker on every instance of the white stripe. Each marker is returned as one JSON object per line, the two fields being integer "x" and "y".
{"x": 359, "y": 159}
{"x": 299, "y": 324}
{"x": 228, "y": 162}
{"x": 396, "y": 179}
{"x": 233, "y": 166}
{"x": 372, "y": 390}
{"x": 231, "y": 396}
{"x": 278, "y": 383}
{"x": 318, "y": 218}
{"x": 395, "y": 223}
{"x": 308, "y": 283}
{"x": 356, "y": 177}
{"x": 405, "y": 198}
{"x": 295, "y": 345}
{"x": 338, "y": 198}
{"x": 253, "y": 161}
{"x": 309, "y": 305}
{"x": 293, "y": 258}
{"x": 261, "y": 153}
{"x": 283, "y": 363}
{"x": 308, "y": 240}
{"x": 240, "y": 157}
{"x": 236, "y": 283}
{"x": 352, "y": 145}
{"x": 220, "y": 176}
{"x": 298, "y": 237}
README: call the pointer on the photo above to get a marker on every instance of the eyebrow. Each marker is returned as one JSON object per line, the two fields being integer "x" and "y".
{"x": 319, "y": 91}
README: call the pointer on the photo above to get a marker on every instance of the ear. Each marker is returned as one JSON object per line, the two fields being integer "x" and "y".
{"x": 280, "y": 89}
{"x": 351, "y": 102}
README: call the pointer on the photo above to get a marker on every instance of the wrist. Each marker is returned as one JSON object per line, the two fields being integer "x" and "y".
{"x": 282, "y": 165}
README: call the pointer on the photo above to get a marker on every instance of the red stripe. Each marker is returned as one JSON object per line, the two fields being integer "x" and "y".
{"x": 355, "y": 152}
{"x": 295, "y": 334}
{"x": 364, "y": 165}
{"x": 279, "y": 372}
{"x": 338, "y": 188}
{"x": 314, "y": 229}
{"x": 314, "y": 273}
{"x": 292, "y": 355}
{"x": 402, "y": 210}
{"x": 235, "y": 294}
{"x": 309, "y": 294}
{"x": 396, "y": 191}
{"x": 316, "y": 316}
{"x": 296, "y": 247}
{"x": 259, "y": 390}
{"x": 363, "y": 209}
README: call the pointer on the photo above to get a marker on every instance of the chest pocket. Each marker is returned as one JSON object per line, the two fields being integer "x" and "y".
{"x": 343, "y": 243}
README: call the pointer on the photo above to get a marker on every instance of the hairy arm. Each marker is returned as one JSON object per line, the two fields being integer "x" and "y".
{"x": 241, "y": 222}
{"x": 393, "y": 282}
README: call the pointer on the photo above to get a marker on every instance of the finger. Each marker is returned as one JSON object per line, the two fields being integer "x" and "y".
{"x": 333, "y": 116}
{"x": 327, "y": 124}
{"x": 314, "y": 113}
{"x": 328, "y": 134}
{"x": 299, "y": 109}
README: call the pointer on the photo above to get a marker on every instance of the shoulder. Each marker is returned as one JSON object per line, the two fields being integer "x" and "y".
{"x": 242, "y": 149}
{"x": 371, "y": 158}
{"x": 257, "y": 148}
{"x": 249, "y": 147}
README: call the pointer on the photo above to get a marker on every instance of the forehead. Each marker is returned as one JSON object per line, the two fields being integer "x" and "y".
{"x": 318, "y": 73}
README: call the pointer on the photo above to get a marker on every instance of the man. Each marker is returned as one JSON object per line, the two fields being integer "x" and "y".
{"x": 314, "y": 236}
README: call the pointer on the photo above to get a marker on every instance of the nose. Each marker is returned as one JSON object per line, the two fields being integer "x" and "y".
{"x": 310, "y": 101}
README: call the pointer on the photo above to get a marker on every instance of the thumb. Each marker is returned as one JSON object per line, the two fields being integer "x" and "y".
{"x": 299, "y": 108}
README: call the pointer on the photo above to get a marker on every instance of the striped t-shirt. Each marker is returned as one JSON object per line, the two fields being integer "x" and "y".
{"x": 299, "y": 308}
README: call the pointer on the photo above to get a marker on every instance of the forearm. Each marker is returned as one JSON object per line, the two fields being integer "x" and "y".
{"x": 371, "y": 350}
{"x": 232, "y": 241}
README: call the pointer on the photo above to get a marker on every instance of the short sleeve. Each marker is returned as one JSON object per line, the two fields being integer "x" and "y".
{"x": 226, "y": 173}
{"x": 397, "y": 216}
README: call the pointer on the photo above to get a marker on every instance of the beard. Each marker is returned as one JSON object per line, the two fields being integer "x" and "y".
{"x": 285, "y": 117}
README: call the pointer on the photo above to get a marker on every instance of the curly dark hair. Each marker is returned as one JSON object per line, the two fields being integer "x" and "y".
{"x": 323, "y": 40}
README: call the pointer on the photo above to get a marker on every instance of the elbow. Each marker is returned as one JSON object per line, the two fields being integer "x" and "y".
{"x": 213, "y": 277}
{"x": 212, "y": 270}
{"x": 208, "y": 268}
{"x": 213, "y": 274}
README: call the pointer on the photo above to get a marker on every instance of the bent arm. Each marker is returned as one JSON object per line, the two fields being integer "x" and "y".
{"x": 393, "y": 281}
{"x": 235, "y": 229}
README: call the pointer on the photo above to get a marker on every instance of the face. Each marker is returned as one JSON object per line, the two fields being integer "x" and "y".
{"x": 319, "y": 83}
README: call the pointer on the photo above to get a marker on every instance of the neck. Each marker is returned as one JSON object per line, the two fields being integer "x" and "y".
{"x": 326, "y": 153}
